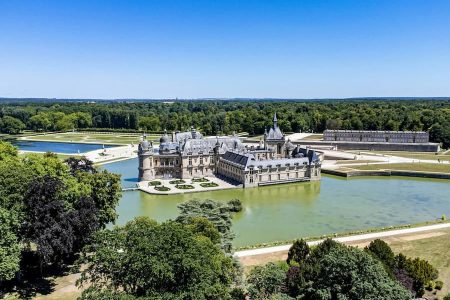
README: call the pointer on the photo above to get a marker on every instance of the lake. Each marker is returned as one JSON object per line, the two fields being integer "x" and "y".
{"x": 286, "y": 212}
{"x": 56, "y": 147}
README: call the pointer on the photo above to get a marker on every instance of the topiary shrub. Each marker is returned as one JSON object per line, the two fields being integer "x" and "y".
{"x": 154, "y": 183}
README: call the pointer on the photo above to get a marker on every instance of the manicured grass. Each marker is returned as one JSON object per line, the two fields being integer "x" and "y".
{"x": 342, "y": 162}
{"x": 108, "y": 138}
{"x": 423, "y": 167}
{"x": 413, "y": 155}
{"x": 313, "y": 137}
{"x": 436, "y": 250}
{"x": 60, "y": 156}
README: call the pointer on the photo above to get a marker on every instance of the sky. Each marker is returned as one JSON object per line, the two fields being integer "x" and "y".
{"x": 224, "y": 49}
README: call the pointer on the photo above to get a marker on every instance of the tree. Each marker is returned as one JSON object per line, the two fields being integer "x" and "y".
{"x": 349, "y": 273}
{"x": 381, "y": 250}
{"x": 265, "y": 281}
{"x": 9, "y": 245}
{"x": 11, "y": 125}
{"x": 7, "y": 150}
{"x": 298, "y": 252}
{"x": 47, "y": 224}
{"x": 422, "y": 272}
{"x": 157, "y": 261}
{"x": 39, "y": 122}
{"x": 217, "y": 213}
{"x": 80, "y": 164}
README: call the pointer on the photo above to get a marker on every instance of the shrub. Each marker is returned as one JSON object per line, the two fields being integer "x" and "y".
{"x": 162, "y": 188}
{"x": 177, "y": 181}
{"x": 446, "y": 297}
{"x": 184, "y": 186}
{"x": 438, "y": 285}
{"x": 382, "y": 251}
{"x": 208, "y": 184}
{"x": 154, "y": 183}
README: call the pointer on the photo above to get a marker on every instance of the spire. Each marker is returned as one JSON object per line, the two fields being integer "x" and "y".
{"x": 275, "y": 120}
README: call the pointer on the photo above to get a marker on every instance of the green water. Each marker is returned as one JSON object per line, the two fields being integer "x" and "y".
{"x": 286, "y": 212}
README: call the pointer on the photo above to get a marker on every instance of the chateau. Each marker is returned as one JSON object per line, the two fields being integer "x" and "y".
{"x": 188, "y": 155}
{"x": 376, "y": 136}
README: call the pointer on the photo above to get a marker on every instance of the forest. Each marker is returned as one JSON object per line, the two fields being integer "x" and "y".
{"x": 225, "y": 117}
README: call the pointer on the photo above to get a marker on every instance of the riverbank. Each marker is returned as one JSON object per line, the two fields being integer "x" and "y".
{"x": 283, "y": 249}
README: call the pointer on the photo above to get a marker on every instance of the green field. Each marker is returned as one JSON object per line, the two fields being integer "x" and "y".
{"x": 421, "y": 167}
{"x": 101, "y": 138}
{"x": 313, "y": 137}
{"x": 413, "y": 155}
{"x": 60, "y": 156}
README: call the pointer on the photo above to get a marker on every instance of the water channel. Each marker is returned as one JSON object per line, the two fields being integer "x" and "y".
{"x": 286, "y": 212}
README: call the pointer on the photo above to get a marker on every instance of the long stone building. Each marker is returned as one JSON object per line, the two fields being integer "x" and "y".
{"x": 376, "y": 136}
{"x": 188, "y": 155}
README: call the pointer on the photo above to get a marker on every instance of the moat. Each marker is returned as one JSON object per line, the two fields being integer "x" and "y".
{"x": 285, "y": 212}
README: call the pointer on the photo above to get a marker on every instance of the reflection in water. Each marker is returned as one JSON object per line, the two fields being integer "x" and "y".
{"x": 290, "y": 211}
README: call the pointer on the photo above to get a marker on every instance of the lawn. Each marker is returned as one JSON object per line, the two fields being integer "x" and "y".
{"x": 60, "y": 156}
{"x": 313, "y": 137}
{"x": 101, "y": 138}
{"x": 343, "y": 162}
{"x": 413, "y": 155}
{"x": 421, "y": 167}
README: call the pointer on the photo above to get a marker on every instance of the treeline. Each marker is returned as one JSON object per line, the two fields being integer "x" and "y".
{"x": 213, "y": 117}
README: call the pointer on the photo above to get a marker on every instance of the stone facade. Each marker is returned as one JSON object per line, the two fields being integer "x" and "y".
{"x": 376, "y": 136}
{"x": 188, "y": 154}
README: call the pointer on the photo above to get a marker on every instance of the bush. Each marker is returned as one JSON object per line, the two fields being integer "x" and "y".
{"x": 162, "y": 188}
{"x": 438, "y": 285}
{"x": 446, "y": 297}
{"x": 184, "y": 186}
{"x": 154, "y": 183}
{"x": 208, "y": 184}
{"x": 177, "y": 181}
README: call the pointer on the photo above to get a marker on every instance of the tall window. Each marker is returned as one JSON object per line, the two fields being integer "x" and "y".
{"x": 201, "y": 160}
{"x": 190, "y": 161}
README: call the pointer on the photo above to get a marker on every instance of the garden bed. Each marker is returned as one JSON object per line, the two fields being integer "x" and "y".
{"x": 177, "y": 181}
{"x": 208, "y": 184}
{"x": 162, "y": 188}
{"x": 184, "y": 186}
{"x": 200, "y": 180}
{"x": 154, "y": 183}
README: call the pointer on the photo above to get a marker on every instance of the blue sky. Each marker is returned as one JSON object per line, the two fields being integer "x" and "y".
{"x": 193, "y": 49}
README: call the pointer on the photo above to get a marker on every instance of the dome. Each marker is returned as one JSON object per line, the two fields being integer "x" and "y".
{"x": 164, "y": 139}
{"x": 145, "y": 145}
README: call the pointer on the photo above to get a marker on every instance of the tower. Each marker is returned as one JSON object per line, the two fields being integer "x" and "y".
{"x": 145, "y": 154}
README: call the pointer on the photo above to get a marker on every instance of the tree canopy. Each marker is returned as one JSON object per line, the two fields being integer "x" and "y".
{"x": 156, "y": 261}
